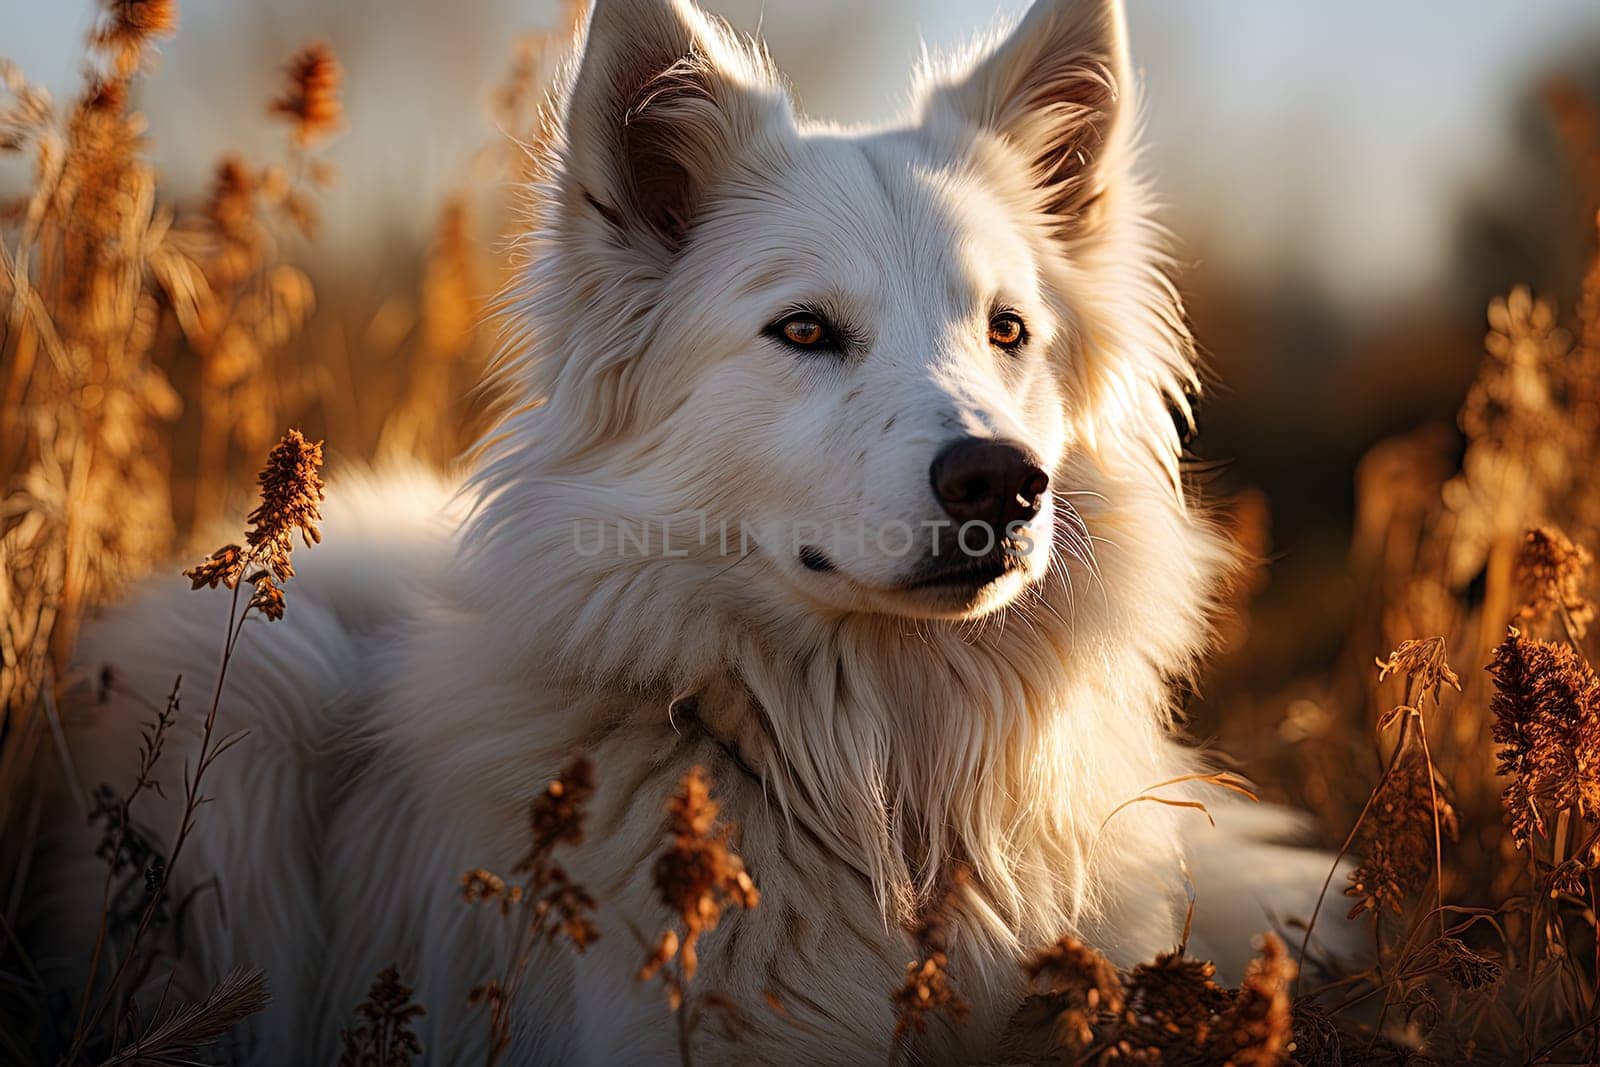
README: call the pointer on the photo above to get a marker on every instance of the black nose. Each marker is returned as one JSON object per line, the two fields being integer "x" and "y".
{"x": 997, "y": 482}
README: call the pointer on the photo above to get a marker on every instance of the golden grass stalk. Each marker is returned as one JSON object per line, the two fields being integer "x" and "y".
{"x": 697, "y": 877}
{"x": 551, "y": 904}
{"x": 1222, "y": 779}
{"x": 290, "y": 491}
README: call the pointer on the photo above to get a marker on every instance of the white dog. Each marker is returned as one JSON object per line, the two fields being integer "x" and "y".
{"x": 846, "y": 468}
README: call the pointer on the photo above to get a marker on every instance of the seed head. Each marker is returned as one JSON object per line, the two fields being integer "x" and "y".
{"x": 697, "y": 878}
{"x": 267, "y": 598}
{"x": 1546, "y": 711}
{"x": 926, "y": 987}
{"x": 1424, "y": 663}
{"x": 1082, "y": 988}
{"x": 1178, "y": 995}
{"x": 1465, "y": 968}
{"x": 556, "y": 816}
{"x": 291, "y": 494}
{"x": 222, "y": 567}
{"x": 128, "y": 26}
{"x": 310, "y": 101}
{"x": 1258, "y": 1028}
{"x": 231, "y": 206}
{"x": 1396, "y": 841}
{"x": 1551, "y": 571}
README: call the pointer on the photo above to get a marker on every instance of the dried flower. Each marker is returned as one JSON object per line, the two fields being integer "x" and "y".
{"x": 267, "y": 598}
{"x": 1257, "y": 1028}
{"x": 1083, "y": 988}
{"x": 291, "y": 495}
{"x": 1465, "y": 968}
{"x": 130, "y": 25}
{"x": 564, "y": 909}
{"x": 1520, "y": 453}
{"x": 1396, "y": 840}
{"x": 1177, "y": 995}
{"x": 1551, "y": 570}
{"x": 1423, "y": 663}
{"x": 311, "y": 100}
{"x": 382, "y": 1036}
{"x": 697, "y": 877}
{"x": 480, "y": 885}
{"x": 555, "y": 904}
{"x": 556, "y": 816}
{"x": 234, "y": 186}
{"x": 233, "y": 210}
{"x": 560, "y": 905}
{"x": 222, "y": 567}
{"x": 926, "y": 987}
{"x": 1546, "y": 711}
{"x": 1567, "y": 879}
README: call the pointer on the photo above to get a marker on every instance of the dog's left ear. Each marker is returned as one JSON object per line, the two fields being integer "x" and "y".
{"x": 663, "y": 101}
{"x": 1054, "y": 88}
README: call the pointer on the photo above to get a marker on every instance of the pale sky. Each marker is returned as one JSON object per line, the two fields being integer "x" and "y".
{"x": 1335, "y": 137}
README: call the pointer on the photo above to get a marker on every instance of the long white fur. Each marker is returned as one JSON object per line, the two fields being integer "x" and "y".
{"x": 448, "y": 649}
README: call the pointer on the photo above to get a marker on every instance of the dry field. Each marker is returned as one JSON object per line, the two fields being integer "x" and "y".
{"x": 151, "y": 355}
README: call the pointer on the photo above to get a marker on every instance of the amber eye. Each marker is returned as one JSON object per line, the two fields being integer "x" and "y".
{"x": 803, "y": 329}
{"x": 803, "y": 332}
{"x": 1006, "y": 330}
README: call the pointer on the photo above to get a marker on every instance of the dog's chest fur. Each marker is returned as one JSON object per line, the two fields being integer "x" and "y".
{"x": 809, "y": 972}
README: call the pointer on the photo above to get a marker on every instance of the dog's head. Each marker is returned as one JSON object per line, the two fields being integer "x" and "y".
{"x": 887, "y": 362}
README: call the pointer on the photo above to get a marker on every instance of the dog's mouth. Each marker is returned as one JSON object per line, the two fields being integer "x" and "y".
{"x": 953, "y": 573}
{"x": 962, "y": 573}
{"x": 951, "y": 585}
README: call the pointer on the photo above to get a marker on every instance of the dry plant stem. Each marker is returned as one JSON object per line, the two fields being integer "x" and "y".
{"x": 1413, "y": 702}
{"x": 1223, "y": 779}
{"x": 1549, "y": 1048}
{"x": 1594, "y": 909}
{"x": 510, "y": 982}
{"x": 192, "y": 800}
{"x": 1433, "y": 799}
{"x": 141, "y": 783}
{"x": 1408, "y": 947}
{"x": 685, "y": 1046}
{"x": 549, "y": 904}
{"x": 1344, "y": 849}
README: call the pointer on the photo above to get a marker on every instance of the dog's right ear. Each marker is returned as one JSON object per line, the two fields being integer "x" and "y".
{"x": 663, "y": 101}
{"x": 1055, "y": 87}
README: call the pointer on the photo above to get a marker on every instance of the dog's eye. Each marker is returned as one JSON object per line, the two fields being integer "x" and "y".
{"x": 805, "y": 332}
{"x": 803, "y": 329}
{"x": 1006, "y": 330}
